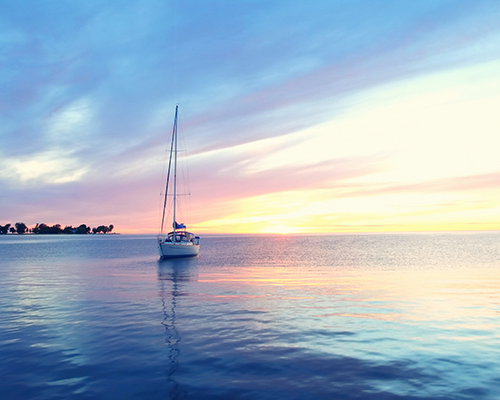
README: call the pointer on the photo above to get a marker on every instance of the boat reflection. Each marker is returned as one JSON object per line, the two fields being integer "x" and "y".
{"x": 172, "y": 274}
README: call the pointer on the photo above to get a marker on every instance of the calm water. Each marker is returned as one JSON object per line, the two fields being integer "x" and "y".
{"x": 272, "y": 317}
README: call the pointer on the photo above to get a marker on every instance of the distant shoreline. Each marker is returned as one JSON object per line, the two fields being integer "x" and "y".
{"x": 55, "y": 234}
{"x": 20, "y": 228}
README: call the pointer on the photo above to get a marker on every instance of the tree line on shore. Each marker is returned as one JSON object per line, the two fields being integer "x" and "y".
{"x": 20, "y": 228}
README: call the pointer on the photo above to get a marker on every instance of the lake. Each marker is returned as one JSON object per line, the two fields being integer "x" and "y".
{"x": 375, "y": 316}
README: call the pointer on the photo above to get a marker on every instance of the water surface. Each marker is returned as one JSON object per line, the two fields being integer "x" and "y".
{"x": 401, "y": 316}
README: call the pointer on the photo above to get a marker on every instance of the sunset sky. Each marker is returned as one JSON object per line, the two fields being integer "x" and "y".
{"x": 298, "y": 116}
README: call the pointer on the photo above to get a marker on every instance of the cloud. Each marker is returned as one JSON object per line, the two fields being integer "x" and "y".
{"x": 462, "y": 184}
{"x": 410, "y": 49}
{"x": 46, "y": 168}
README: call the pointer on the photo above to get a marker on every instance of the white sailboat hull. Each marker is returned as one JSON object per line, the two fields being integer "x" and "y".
{"x": 176, "y": 250}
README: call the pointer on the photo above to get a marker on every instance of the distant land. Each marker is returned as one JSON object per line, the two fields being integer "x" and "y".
{"x": 20, "y": 228}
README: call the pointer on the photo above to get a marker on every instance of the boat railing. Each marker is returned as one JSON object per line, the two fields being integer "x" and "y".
{"x": 182, "y": 237}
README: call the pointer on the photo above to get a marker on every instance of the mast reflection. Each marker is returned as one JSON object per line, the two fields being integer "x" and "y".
{"x": 172, "y": 274}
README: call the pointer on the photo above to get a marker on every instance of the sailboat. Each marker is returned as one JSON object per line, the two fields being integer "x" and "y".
{"x": 179, "y": 242}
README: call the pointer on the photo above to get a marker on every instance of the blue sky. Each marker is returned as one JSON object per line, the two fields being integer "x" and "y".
{"x": 287, "y": 107}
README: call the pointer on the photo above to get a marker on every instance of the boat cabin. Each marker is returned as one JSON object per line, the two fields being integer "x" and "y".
{"x": 183, "y": 237}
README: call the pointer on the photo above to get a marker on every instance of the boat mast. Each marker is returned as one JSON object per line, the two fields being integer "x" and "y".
{"x": 175, "y": 167}
{"x": 168, "y": 171}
